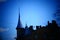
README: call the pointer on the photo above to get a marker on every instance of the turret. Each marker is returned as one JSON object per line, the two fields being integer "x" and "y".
{"x": 20, "y": 30}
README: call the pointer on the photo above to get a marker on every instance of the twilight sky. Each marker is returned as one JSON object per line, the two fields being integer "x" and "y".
{"x": 33, "y": 12}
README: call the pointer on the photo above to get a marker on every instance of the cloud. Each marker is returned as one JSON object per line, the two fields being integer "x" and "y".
{"x": 4, "y": 29}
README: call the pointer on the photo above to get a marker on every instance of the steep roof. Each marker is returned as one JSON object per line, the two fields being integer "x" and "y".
{"x": 19, "y": 25}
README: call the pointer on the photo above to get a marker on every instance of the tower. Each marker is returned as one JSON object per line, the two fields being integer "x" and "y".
{"x": 20, "y": 30}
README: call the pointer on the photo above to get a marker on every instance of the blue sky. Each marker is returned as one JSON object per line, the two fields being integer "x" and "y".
{"x": 33, "y": 12}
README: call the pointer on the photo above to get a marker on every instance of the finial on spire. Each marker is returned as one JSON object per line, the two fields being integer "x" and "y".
{"x": 19, "y": 10}
{"x": 19, "y": 13}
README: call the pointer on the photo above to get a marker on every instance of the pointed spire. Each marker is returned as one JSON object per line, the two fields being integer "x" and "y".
{"x": 19, "y": 25}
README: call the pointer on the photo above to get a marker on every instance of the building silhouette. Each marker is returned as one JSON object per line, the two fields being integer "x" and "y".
{"x": 20, "y": 30}
{"x": 49, "y": 32}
